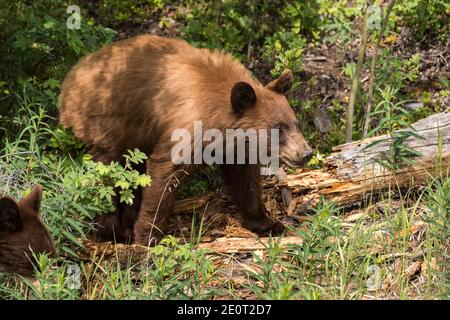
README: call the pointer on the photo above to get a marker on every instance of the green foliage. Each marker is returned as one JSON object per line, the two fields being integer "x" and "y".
{"x": 393, "y": 75}
{"x": 396, "y": 72}
{"x": 97, "y": 183}
{"x": 74, "y": 192}
{"x": 219, "y": 25}
{"x": 51, "y": 283}
{"x": 275, "y": 285}
{"x": 288, "y": 57}
{"x": 320, "y": 237}
{"x": 339, "y": 16}
{"x": 195, "y": 187}
{"x": 179, "y": 272}
{"x": 38, "y": 49}
{"x": 425, "y": 16}
{"x": 200, "y": 182}
{"x": 321, "y": 267}
{"x": 64, "y": 141}
{"x": 316, "y": 161}
{"x": 391, "y": 114}
{"x": 90, "y": 189}
{"x": 116, "y": 12}
{"x": 240, "y": 27}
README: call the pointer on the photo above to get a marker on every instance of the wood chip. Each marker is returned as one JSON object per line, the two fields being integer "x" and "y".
{"x": 235, "y": 245}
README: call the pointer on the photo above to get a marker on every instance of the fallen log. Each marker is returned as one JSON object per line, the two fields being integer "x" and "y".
{"x": 237, "y": 245}
{"x": 133, "y": 254}
{"x": 352, "y": 173}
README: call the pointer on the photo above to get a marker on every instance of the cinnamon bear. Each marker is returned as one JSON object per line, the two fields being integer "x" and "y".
{"x": 137, "y": 92}
{"x": 22, "y": 233}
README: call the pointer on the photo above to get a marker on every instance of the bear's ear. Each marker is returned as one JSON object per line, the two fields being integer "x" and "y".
{"x": 10, "y": 220}
{"x": 243, "y": 96}
{"x": 282, "y": 84}
{"x": 33, "y": 200}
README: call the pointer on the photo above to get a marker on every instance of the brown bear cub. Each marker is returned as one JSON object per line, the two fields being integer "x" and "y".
{"x": 135, "y": 93}
{"x": 22, "y": 233}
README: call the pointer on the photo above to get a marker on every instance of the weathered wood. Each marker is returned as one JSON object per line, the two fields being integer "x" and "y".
{"x": 236, "y": 245}
{"x": 133, "y": 254}
{"x": 352, "y": 174}
{"x": 122, "y": 254}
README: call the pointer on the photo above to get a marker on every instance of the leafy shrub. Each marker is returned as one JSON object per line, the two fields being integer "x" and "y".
{"x": 424, "y": 16}
{"x": 238, "y": 27}
{"x": 37, "y": 50}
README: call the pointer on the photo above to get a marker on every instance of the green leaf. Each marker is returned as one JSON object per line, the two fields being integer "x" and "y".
{"x": 143, "y": 180}
{"x": 49, "y": 24}
{"x": 124, "y": 185}
{"x": 102, "y": 169}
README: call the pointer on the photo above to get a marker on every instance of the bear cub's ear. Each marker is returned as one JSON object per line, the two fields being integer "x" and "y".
{"x": 10, "y": 220}
{"x": 33, "y": 200}
{"x": 243, "y": 96}
{"x": 282, "y": 84}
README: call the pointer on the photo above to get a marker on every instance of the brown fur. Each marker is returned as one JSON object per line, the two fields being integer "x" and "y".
{"x": 22, "y": 233}
{"x": 134, "y": 93}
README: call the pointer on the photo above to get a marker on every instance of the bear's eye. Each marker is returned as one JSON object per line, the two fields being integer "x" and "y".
{"x": 282, "y": 127}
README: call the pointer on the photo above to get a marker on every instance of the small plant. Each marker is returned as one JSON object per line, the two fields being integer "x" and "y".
{"x": 52, "y": 282}
{"x": 179, "y": 272}
{"x": 95, "y": 182}
{"x": 275, "y": 284}
{"x": 316, "y": 161}
{"x": 392, "y": 117}
{"x": 399, "y": 153}
{"x": 287, "y": 52}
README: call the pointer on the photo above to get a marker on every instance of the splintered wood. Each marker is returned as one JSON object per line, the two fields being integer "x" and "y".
{"x": 235, "y": 245}
{"x": 352, "y": 174}
{"x": 132, "y": 254}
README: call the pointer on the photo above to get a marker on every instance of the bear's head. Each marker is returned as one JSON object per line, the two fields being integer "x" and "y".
{"x": 22, "y": 233}
{"x": 267, "y": 107}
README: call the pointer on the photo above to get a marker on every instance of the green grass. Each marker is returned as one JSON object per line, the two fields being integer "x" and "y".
{"x": 376, "y": 256}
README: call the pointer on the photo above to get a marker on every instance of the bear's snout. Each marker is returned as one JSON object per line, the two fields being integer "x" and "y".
{"x": 294, "y": 150}
{"x": 305, "y": 156}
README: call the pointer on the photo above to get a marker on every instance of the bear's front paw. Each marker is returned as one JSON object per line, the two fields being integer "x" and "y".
{"x": 265, "y": 227}
{"x": 276, "y": 228}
